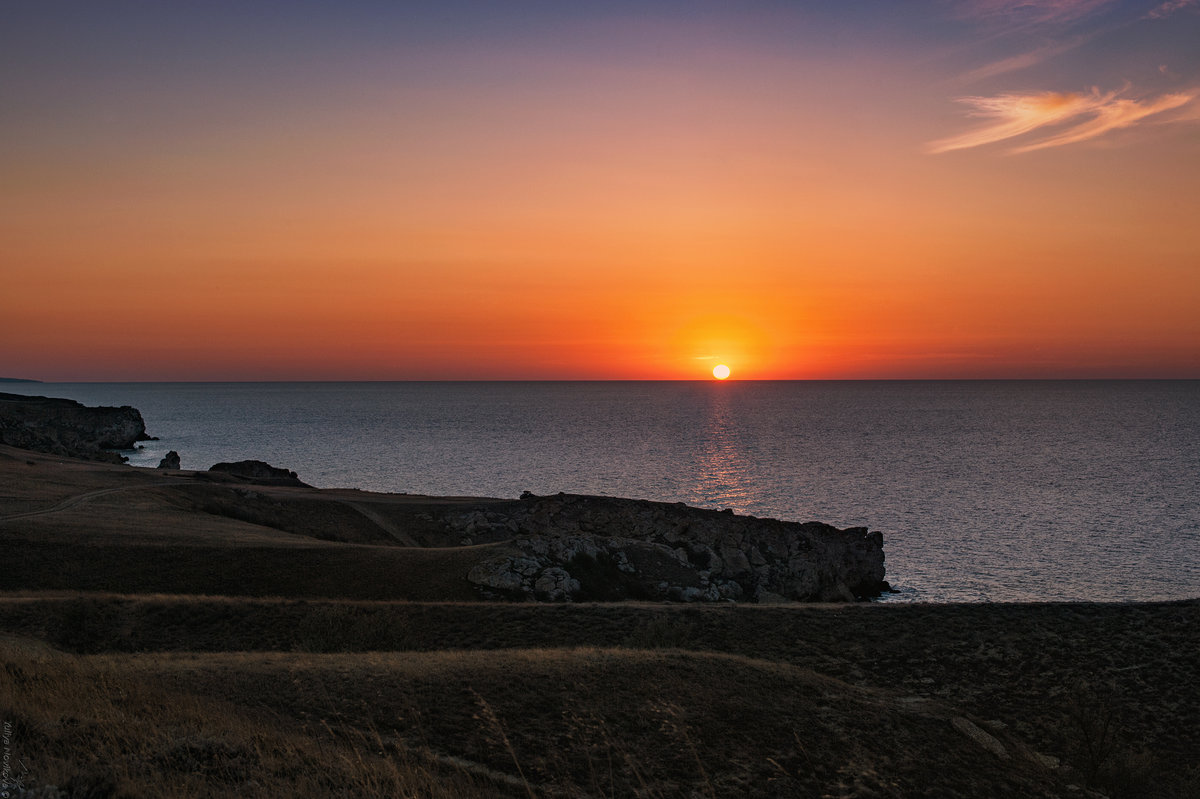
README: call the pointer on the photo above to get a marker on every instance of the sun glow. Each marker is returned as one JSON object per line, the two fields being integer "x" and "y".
{"x": 720, "y": 371}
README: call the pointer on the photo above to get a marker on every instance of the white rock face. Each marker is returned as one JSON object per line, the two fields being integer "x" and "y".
{"x": 555, "y": 585}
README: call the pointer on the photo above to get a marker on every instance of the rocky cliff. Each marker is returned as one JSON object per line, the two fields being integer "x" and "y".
{"x": 65, "y": 427}
{"x": 571, "y": 547}
{"x": 554, "y": 548}
{"x": 259, "y": 473}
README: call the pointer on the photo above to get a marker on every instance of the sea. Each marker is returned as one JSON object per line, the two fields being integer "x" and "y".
{"x": 985, "y": 491}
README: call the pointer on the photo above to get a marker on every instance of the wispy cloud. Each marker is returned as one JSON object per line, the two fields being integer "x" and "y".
{"x": 1086, "y": 116}
{"x": 1170, "y": 7}
{"x": 1114, "y": 115}
{"x": 1033, "y": 11}
{"x": 1023, "y": 60}
{"x": 1015, "y": 115}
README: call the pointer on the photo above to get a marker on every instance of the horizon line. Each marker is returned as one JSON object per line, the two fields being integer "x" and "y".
{"x": 30, "y": 381}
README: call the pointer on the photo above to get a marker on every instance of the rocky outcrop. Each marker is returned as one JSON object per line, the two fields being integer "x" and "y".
{"x": 556, "y": 548}
{"x": 571, "y": 547}
{"x": 65, "y": 427}
{"x": 259, "y": 473}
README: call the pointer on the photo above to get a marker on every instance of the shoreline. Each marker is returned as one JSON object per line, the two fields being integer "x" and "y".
{"x": 81, "y": 535}
{"x": 350, "y": 494}
{"x": 1010, "y": 535}
{"x": 237, "y": 641}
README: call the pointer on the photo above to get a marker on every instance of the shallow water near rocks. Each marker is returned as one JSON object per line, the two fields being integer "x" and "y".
{"x": 984, "y": 490}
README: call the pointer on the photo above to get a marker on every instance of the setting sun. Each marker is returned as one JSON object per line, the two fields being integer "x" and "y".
{"x": 721, "y": 371}
{"x": 701, "y": 226}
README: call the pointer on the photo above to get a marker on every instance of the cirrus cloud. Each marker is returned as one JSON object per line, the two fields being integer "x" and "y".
{"x": 1025, "y": 60}
{"x": 1032, "y": 11}
{"x": 1170, "y": 7}
{"x": 1085, "y": 116}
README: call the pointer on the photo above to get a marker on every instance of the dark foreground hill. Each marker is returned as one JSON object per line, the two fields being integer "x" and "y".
{"x": 203, "y": 696}
{"x": 163, "y": 635}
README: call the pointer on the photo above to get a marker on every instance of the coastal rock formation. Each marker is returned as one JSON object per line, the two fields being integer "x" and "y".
{"x": 571, "y": 547}
{"x": 259, "y": 473}
{"x": 553, "y": 549}
{"x": 68, "y": 428}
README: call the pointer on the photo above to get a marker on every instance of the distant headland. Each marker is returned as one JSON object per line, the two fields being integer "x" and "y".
{"x": 66, "y": 427}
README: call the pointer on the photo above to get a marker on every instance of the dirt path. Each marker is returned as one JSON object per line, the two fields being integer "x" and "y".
{"x": 71, "y": 502}
{"x": 382, "y": 523}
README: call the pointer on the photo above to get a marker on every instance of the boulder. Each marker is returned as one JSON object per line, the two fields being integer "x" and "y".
{"x": 555, "y": 585}
{"x": 499, "y": 579}
{"x": 169, "y": 461}
{"x": 66, "y": 427}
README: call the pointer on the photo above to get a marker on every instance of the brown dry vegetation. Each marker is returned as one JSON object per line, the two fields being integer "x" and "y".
{"x": 294, "y": 688}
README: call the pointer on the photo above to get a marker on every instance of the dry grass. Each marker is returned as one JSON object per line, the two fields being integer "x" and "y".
{"x": 345, "y": 571}
{"x": 515, "y": 722}
{"x": 239, "y": 659}
{"x": 600, "y": 700}
{"x": 95, "y": 727}
{"x": 111, "y": 528}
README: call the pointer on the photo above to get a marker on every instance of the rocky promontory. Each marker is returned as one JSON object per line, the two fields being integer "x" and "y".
{"x": 259, "y": 473}
{"x": 572, "y": 547}
{"x": 560, "y": 548}
{"x": 65, "y": 427}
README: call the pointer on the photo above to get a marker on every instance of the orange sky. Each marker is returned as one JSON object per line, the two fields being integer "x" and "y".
{"x": 362, "y": 195}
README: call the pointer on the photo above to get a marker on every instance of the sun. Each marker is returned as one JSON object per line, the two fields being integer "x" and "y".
{"x": 720, "y": 371}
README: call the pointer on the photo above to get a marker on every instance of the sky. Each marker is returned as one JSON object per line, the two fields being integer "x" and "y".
{"x": 619, "y": 190}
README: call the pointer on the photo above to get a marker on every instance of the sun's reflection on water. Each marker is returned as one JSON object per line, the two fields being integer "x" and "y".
{"x": 723, "y": 470}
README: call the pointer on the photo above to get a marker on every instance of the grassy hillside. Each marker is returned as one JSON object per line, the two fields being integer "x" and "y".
{"x": 160, "y": 639}
{"x": 603, "y": 700}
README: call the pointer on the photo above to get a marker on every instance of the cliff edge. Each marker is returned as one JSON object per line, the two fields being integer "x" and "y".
{"x": 560, "y": 548}
{"x": 574, "y": 547}
{"x": 65, "y": 427}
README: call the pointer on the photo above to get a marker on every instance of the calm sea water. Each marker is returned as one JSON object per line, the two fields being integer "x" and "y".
{"x": 985, "y": 491}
